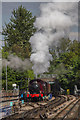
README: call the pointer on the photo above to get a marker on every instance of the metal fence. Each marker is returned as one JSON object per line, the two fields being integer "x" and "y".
{"x": 6, "y": 102}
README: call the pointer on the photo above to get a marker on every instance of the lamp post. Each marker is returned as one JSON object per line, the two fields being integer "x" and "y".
{"x": 6, "y": 77}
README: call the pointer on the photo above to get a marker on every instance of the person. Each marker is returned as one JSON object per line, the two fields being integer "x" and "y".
{"x": 50, "y": 96}
{"x": 14, "y": 106}
{"x": 20, "y": 105}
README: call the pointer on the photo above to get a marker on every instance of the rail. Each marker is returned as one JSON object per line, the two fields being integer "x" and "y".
{"x": 68, "y": 108}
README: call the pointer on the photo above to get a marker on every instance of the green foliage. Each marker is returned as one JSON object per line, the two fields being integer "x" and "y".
{"x": 5, "y": 53}
{"x": 63, "y": 45}
{"x": 16, "y": 36}
{"x": 67, "y": 64}
{"x": 18, "y": 32}
{"x": 30, "y": 74}
{"x": 15, "y": 76}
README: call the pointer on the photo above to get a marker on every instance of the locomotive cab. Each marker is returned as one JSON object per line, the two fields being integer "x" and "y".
{"x": 34, "y": 88}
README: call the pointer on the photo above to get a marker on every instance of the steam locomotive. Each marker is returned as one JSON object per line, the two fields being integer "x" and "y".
{"x": 38, "y": 89}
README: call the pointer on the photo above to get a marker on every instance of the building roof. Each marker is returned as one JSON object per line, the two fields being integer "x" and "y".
{"x": 48, "y": 76}
{"x": 48, "y": 79}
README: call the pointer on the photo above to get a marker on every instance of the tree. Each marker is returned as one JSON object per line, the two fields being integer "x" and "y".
{"x": 63, "y": 46}
{"x": 67, "y": 64}
{"x": 18, "y": 32}
{"x": 16, "y": 76}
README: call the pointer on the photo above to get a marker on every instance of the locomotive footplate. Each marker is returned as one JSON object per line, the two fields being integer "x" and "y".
{"x": 34, "y": 95}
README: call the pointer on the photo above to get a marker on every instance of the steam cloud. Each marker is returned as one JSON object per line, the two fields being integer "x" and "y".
{"x": 53, "y": 24}
{"x": 16, "y": 63}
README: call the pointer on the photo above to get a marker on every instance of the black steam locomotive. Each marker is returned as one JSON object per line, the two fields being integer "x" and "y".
{"x": 38, "y": 89}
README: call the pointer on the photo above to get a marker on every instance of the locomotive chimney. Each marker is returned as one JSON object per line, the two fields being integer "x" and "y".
{"x": 36, "y": 76}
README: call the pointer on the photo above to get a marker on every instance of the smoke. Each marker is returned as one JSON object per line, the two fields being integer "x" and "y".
{"x": 65, "y": 1}
{"x": 54, "y": 23}
{"x": 16, "y": 63}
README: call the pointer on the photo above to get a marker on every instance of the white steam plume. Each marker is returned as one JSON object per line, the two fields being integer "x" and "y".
{"x": 53, "y": 24}
{"x": 17, "y": 63}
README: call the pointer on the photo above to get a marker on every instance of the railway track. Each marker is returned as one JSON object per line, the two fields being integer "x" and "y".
{"x": 66, "y": 111}
{"x": 55, "y": 109}
{"x": 35, "y": 111}
{"x": 38, "y": 112}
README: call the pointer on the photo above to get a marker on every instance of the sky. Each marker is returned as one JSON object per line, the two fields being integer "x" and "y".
{"x": 7, "y": 8}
